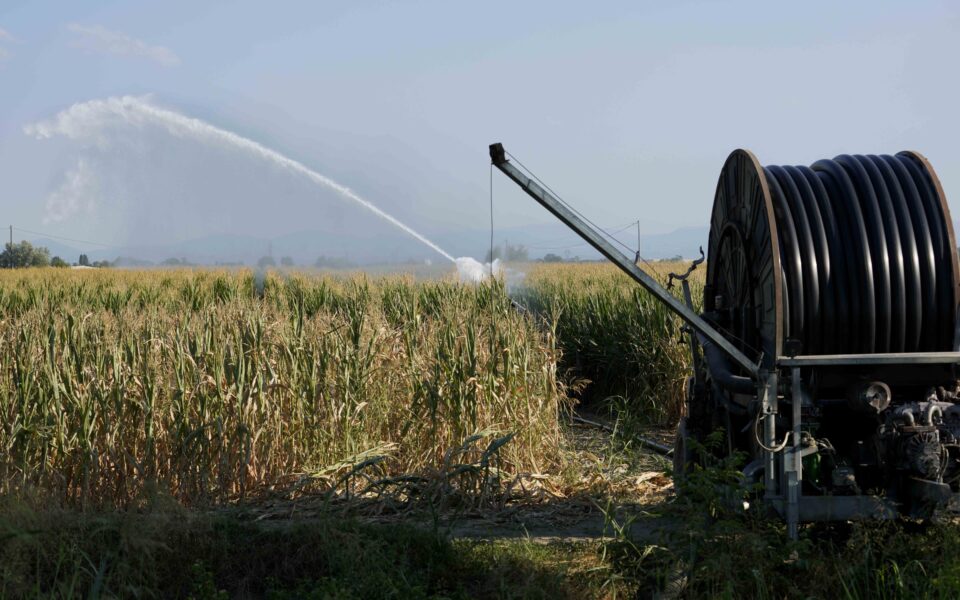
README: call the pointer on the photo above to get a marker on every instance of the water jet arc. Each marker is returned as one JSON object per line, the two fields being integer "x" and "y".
{"x": 84, "y": 119}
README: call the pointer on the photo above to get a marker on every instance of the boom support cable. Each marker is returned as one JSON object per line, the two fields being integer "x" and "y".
{"x": 609, "y": 235}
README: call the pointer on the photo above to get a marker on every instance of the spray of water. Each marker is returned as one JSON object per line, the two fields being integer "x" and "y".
{"x": 471, "y": 270}
{"x": 88, "y": 120}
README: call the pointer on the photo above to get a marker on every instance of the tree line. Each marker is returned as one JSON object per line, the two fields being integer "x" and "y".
{"x": 24, "y": 254}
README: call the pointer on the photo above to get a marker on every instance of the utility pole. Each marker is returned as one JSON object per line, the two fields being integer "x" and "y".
{"x": 638, "y": 236}
{"x": 11, "y": 236}
{"x": 637, "y": 260}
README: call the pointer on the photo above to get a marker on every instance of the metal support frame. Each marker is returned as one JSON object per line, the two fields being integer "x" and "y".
{"x": 899, "y": 358}
{"x": 784, "y": 476}
{"x": 793, "y": 457}
{"x": 694, "y": 345}
{"x": 841, "y": 508}
{"x": 768, "y": 411}
{"x": 604, "y": 247}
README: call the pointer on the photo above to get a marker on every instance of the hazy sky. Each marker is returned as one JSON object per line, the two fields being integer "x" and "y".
{"x": 628, "y": 109}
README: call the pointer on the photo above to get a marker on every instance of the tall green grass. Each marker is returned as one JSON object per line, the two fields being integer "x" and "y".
{"x": 714, "y": 546}
{"x": 615, "y": 335}
{"x": 175, "y": 553}
{"x": 213, "y": 389}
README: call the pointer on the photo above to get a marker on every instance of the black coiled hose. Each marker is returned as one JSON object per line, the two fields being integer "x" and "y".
{"x": 867, "y": 256}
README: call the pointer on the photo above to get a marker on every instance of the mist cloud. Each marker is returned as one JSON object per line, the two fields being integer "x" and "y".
{"x": 5, "y": 37}
{"x": 97, "y": 38}
{"x": 78, "y": 193}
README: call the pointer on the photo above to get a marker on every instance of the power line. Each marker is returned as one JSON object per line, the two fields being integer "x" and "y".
{"x": 66, "y": 239}
{"x": 624, "y": 228}
{"x": 616, "y": 228}
{"x": 557, "y": 247}
{"x": 553, "y": 244}
{"x": 580, "y": 214}
{"x": 565, "y": 203}
{"x": 567, "y": 246}
{"x": 557, "y": 241}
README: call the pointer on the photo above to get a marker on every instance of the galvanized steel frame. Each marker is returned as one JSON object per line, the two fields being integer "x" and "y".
{"x": 604, "y": 247}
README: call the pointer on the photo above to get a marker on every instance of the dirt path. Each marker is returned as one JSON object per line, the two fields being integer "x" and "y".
{"x": 543, "y": 528}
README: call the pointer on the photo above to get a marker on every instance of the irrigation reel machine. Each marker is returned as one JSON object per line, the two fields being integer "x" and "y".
{"x": 827, "y": 348}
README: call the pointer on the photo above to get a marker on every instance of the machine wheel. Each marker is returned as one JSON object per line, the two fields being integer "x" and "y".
{"x": 744, "y": 278}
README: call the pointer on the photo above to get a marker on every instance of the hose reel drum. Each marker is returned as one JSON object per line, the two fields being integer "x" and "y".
{"x": 851, "y": 255}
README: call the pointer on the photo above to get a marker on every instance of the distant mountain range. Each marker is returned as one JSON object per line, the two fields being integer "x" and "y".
{"x": 386, "y": 246}
{"x": 557, "y": 239}
{"x": 304, "y": 247}
{"x": 378, "y": 247}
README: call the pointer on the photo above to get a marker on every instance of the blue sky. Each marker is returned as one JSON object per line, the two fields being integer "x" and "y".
{"x": 627, "y": 108}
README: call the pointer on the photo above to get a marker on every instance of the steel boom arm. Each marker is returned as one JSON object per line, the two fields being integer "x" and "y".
{"x": 574, "y": 222}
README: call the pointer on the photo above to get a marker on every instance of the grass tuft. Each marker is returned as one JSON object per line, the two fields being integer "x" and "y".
{"x": 616, "y": 336}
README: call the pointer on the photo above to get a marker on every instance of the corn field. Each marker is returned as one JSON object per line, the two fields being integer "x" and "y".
{"x": 214, "y": 386}
{"x": 617, "y": 337}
